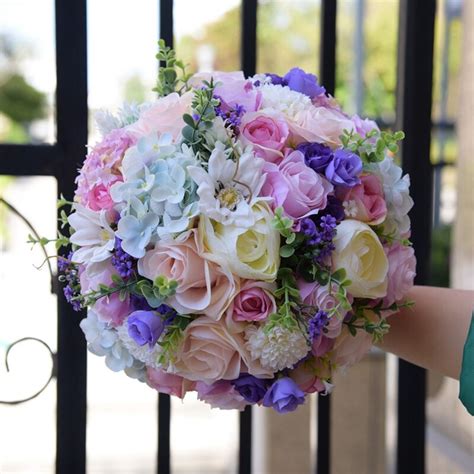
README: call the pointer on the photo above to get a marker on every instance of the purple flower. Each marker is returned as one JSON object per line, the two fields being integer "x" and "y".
{"x": 316, "y": 155}
{"x": 276, "y": 79}
{"x": 344, "y": 169}
{"x": 334, "y": 208}
{"x": 145, "y": 327}
{"x": 251, "y": 388}
{"x": 308, "y": 227}
{"x": 303, "y": 82}
{"x": 284, "y": 396}
{"x": 316, "y": 324}
{"x": 123, "y": 262}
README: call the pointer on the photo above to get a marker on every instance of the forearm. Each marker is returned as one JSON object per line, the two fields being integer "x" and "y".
{"x": 432, "y": 333}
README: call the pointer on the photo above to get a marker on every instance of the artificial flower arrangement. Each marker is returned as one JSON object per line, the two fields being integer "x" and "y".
{"x": 243, "y": 238}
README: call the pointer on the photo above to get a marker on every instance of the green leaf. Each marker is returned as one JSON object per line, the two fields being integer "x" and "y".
{"x": 188, "y": 120}
{"x": 286, "y": 251}
{"x": 339, "y": 275}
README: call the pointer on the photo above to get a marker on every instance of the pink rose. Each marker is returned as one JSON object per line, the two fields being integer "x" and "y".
{"x": 363, "y": 126}
{"x": 254, "y": 302}
{"x": 268, "y": 134}
{"x": 233, "y": 89}
{"x": 295, "y": 187}
{"x": 211, "y": 352}
{"x": 305, "y": 375}
{"x": 349, "y": 349}
{"x": 99, "y": 198}
{"x": 321, "y": 125}
{"x": 108, "y": 308}
{"x": 313, "y": 294}
{"x": 168, "y": 383}
{"x": 220, "y": 394}
{"x": 164, "y": 116}
{"x": 401, "y": 272}
{"x": 203, "y": 286}
{"x": 322, "y": 344}
{"x": 365, "y": 202}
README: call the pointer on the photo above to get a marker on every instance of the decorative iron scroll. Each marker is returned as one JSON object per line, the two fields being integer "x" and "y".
{"x": 11, "y": 208}
{"x": 45, "y": 385}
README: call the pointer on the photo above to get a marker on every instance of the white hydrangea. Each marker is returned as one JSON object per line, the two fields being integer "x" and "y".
{"x": 278, "y": 349}
{"x": 396, "y": 190}
{"x": 143, "y": 353}
{"x": 103, "y": 341}
{"x": 284, "y": 100}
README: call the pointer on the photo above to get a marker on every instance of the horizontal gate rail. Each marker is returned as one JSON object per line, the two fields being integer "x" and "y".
{"x": 27, "y": 160}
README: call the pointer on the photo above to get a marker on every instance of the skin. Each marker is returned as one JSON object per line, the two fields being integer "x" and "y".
{"x": 433, "y": 332}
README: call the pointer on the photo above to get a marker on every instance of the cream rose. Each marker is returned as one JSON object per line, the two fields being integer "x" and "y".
{"x": 249, "y": 253}
{"x": 203, "y": 286}
{"x": 359, "y": 251}
{"x": 211, "y": 352}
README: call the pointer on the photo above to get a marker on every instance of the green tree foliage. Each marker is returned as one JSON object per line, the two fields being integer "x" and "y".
{"x": 19, "y": 101}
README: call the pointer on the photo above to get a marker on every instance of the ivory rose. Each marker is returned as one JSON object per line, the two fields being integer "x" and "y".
{"x": 267, "y": 132}
{"x": 401, "y": 272}
{"x": 210, "y": 352}
{"x": 365, "y": 202}
{"x": 295, "y": 187}
{"x": 168, "y": 383}
{"x": 249, "y": 253}
{"x": 358, "y": 250}
{"x": 165, "y": 116}
{"x": 203, "y": 286}
{"x": 320, "y": 125}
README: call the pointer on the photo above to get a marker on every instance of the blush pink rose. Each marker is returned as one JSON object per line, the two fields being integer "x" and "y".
{"x": 254, "y": 302}
{"x": 168, "y": 383}
{"x": 267, "y": 133}
{"x": 349, "y": 349}
{"x": 203, "y": 286}
{"x": 164, "y": 116}
{"x": 221, "y": 395}
{"x": 322, "y": 345}
{"x": 365, "y": 202}
{"x": 363, "y": 126}
{"x": 401, "y": 272}
{"x": 305, "y": 376}
{"x": 294, "y": 186}
{"x": 109, "y": 308}
{"x": 211, "y": 352}
{"x": 321, "y": 125}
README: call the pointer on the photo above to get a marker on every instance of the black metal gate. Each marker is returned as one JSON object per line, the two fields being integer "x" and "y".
{"x": 61, "y": 160}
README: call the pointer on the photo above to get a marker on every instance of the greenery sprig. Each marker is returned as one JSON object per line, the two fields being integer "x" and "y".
{"x": 172, "y": 75}
{"x": 197, "y": 124}
{"x": 373, "y": 147}
{"x": 172, "y": 339}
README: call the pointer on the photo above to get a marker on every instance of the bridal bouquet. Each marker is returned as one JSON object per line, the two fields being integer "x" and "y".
{"x": 243, "y": 238}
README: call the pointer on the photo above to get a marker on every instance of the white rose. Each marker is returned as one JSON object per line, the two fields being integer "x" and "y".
{"x": 359, "y": 251}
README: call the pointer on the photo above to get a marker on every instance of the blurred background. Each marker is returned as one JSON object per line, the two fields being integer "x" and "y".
{"x": 121, "y": 46}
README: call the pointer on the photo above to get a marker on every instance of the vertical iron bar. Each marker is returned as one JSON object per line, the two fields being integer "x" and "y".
{"x": 164, "y": 418}
{"x": 245, "y": 441}
{"x": 414, "y": 100}
{"x": 71, "y": 114}
{"x": 248, "y": 63}
{"x": 166, "y": 22}
{"x": 163, "y": 462}
{"x": 327, "y": 54}
{"x": 327, "y": 67}
{"x": 248, "y": 37}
